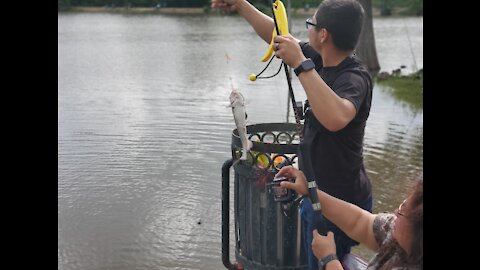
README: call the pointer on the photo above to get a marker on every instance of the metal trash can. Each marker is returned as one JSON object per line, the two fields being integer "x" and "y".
{"x": 268, "y": 234}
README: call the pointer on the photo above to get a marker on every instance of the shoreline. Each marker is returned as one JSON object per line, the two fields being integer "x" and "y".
{"x": 137, "y": 10}
{"x": 186, "y": 11}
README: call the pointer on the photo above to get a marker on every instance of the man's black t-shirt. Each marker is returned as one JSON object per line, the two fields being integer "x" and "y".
{"x": 337, "y": 157}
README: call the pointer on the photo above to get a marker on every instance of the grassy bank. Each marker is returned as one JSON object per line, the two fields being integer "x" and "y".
{"x": 407, "y": 88}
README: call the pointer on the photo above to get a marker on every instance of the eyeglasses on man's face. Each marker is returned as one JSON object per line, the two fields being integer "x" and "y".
{"x": 309, "y": 22}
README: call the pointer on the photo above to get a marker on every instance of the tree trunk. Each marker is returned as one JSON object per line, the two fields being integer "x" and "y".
{"x": 366, "y": 49}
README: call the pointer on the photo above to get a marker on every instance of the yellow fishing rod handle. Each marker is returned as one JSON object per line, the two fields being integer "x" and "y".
{"x": 282, "y": 22}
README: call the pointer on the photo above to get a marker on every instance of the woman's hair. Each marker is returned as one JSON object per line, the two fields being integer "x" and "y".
{"x": 415, "y": 215}
{"x": 343, "y": 19}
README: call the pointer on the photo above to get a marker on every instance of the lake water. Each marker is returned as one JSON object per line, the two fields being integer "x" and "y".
{"x": 144, "y": 128}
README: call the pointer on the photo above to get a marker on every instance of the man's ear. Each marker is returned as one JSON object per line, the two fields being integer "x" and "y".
{"x": 323, "y": 35}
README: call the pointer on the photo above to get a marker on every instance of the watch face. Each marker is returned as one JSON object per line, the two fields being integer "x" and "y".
{"x": 305, "y": 66}
{"x": 308, "y": 65}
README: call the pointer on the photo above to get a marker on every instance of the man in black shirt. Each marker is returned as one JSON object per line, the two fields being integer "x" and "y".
{"x": 339, "y": 93}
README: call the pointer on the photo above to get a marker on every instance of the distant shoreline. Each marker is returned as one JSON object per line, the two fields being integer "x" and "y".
{"x": 181, "y": 11}
{"x": 137, "y": 10}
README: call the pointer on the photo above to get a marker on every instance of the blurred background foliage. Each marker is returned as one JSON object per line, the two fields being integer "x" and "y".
{"x": 383, "y": 7}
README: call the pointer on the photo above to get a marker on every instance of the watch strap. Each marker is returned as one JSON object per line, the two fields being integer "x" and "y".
{"x": 323, "y": 261}
{"x": 306, "y": 65}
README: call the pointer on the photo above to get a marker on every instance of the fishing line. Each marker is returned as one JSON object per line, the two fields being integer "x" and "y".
{"x": 410, "y": 46}
{"x": 254, "y": 77}
{"x": 407, "y": 134}
{"x": 395, "y": 169}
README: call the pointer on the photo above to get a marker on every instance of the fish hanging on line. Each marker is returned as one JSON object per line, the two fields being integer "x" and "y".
{"x": 237, "y": 102}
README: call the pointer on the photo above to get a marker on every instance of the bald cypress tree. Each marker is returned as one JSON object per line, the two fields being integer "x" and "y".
{"x": 366, "y": 49}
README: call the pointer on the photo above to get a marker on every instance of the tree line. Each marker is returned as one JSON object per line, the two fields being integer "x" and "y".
{"x": 387, "y": 7}
{"x": 134, "y": 3}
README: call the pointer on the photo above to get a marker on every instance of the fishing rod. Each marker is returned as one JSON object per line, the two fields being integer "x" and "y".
{"x": 304, "y": 151}
{"x": 278, "y": 9}
{"x": 278, "y": 4}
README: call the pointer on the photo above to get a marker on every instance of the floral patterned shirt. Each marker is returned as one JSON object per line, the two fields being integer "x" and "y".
{"x": 390, "y": 255}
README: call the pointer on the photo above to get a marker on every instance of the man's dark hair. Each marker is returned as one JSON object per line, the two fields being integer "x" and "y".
{"x": 343, "y": 19}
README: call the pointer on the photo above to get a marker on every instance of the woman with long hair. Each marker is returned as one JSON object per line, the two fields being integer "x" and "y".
{"x": 396, "y": 237}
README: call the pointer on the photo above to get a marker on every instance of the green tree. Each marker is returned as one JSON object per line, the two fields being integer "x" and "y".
{"x": 63, "y": 4}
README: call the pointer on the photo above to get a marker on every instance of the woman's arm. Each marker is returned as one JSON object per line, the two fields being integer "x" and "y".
{"x": 353, "y": 220}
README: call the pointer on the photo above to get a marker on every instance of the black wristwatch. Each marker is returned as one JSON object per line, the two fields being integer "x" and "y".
{"x": 323, "y": 262}
{"x": 304, "y": 66}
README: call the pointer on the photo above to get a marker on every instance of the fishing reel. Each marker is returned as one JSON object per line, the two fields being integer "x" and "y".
{"x": 286, "y": 197}
{"x": 281, "y": 194}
